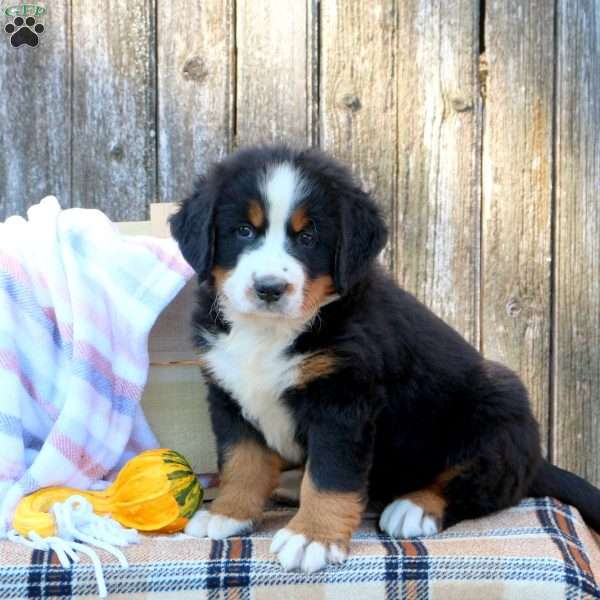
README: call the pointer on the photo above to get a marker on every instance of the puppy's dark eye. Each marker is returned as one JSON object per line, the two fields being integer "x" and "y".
{"x": 307, "y": 238}
{"x": 245, "y": 232}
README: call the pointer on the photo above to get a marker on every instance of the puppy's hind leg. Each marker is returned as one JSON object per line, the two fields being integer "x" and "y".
{"x": 493, "y": 457}
{"x": 417, "y": 514}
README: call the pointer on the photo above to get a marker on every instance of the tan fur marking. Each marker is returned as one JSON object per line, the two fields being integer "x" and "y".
{"x": 327, "y": 517}
{"x": 249, "y": 476}
{"x": 256, "y": 214}
{"x": 316, "y": 291}
{"x": 299, "y": 219}
{"x": 445, "y": 477}
{"x": 220, "y": 276}
{"x": 316, "y": 365}
{"x": 431, "y": 499}
{"x": 431, "y": 502}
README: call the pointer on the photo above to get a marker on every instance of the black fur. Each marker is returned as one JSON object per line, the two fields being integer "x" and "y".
{"x": 410, "y": 399}
{"x": 193, "y": 227}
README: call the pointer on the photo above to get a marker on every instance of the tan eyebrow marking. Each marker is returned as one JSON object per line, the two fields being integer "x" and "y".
{"x": 299, "y": 219}
{"x": 256, "y": 214}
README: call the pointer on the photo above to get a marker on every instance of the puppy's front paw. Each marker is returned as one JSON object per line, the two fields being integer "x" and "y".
{"x": 404, "y": 519}
{"x": 296, "y": 551}
{"x": 215, "y": 526}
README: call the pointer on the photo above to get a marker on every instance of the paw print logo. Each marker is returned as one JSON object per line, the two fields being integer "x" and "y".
{"x": 24, "y": 31}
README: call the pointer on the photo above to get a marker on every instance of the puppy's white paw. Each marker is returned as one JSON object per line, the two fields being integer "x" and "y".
{"x": 296, "y": 551}
{"x": 214, "y": 526}
{"x": 405, "y": 519}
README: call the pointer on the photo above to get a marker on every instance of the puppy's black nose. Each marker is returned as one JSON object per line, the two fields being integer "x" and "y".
{"x": 270, "y": 288}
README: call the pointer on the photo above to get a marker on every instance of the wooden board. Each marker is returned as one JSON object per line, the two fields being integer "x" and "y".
{"x": 358, "y": 95}
{"x": 114, "y": 129}
{"x": 274, "y": 71}
{"x": 35, "y": 110}
{"x": 435, "y": 219}
{"x": 577, "y": 272}
{"x": 517, "y": 193}
{"x": 171, "y": 337}
{"x": 175, "y": 405}
{"x": 195, "y": 90}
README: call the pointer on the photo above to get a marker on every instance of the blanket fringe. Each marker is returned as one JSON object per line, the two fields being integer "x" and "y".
{"x": 76, "y": 520}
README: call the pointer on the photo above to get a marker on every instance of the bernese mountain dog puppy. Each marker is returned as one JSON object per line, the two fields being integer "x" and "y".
{"x": 315, "y": 357}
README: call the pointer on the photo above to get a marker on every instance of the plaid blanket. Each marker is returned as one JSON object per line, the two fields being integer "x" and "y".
{"x": 538, "y": 550}
{"x": 77, "y": 301}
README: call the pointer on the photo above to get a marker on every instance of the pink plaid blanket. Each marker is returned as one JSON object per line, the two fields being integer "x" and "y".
{"x": 77, "y": 301}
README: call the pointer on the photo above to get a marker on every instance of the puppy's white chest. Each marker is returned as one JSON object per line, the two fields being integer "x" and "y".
{"x": 251, "y": 364}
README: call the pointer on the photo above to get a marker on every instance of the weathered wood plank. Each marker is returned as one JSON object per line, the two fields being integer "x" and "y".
{"x": 114, "y": 130}
{"x": 35, "y": 104}
{"x": 171, "y": 337}
{"x": 195, "y": 90}
{"x": 358, "y": 95}
{"x": 175, "y": 404}
{"x": 274, "y": 71}
{"x": 517, "y": 193}
{"x": 577, "y": 270}
{"x": 436, "y": 219}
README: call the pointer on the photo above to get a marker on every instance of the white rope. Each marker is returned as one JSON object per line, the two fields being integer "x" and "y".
{"x": 76, "y": 520}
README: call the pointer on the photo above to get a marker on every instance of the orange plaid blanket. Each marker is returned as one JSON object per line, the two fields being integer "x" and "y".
{"x": 539, "y": 550}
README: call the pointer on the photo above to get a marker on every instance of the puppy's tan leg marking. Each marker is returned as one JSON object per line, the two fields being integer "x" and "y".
{"x": 328, "y": 517}
{"x": 320, "y": 531}
{"x": 250, "y": 474}
{"x": 419, "y": 513}
{"x": 430, "y": 501}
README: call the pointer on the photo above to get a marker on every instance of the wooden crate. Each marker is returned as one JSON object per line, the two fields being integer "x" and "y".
{"x": 174, "y": 399}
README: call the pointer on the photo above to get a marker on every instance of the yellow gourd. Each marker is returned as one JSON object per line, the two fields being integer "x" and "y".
{"x": 156, "y": 491}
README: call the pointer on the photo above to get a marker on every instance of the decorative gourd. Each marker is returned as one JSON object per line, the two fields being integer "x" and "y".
{"x": 156, "y": 491}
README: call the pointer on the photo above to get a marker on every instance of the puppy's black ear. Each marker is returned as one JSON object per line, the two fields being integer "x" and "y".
{"x": 193, "y": 228}
{"x": 363, "y": 234}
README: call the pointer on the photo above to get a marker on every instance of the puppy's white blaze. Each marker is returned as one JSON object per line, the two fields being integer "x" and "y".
{"x": 282, "y": 188}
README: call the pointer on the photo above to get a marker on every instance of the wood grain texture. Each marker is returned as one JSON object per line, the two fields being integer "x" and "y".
{"x": 176, "y": 406}
{"x": 358, "y": 95}
{"x": 577, "y": 247}
{"x": 114, "y": 130}
{"x": 274, "y": 71}
{"x": 435, "y": 221}
{"x": 517, "y": 193}
{"x": 170, "y": 340}
{"x": 35, "y": 115}
{"x": 195, "y": 90}
{"x": 171, "y": 337}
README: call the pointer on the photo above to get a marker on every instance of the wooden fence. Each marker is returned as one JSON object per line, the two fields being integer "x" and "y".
{"x": 476, "y": 124}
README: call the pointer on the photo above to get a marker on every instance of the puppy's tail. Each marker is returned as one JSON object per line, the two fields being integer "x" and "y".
{"x": 569, "y": 488}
